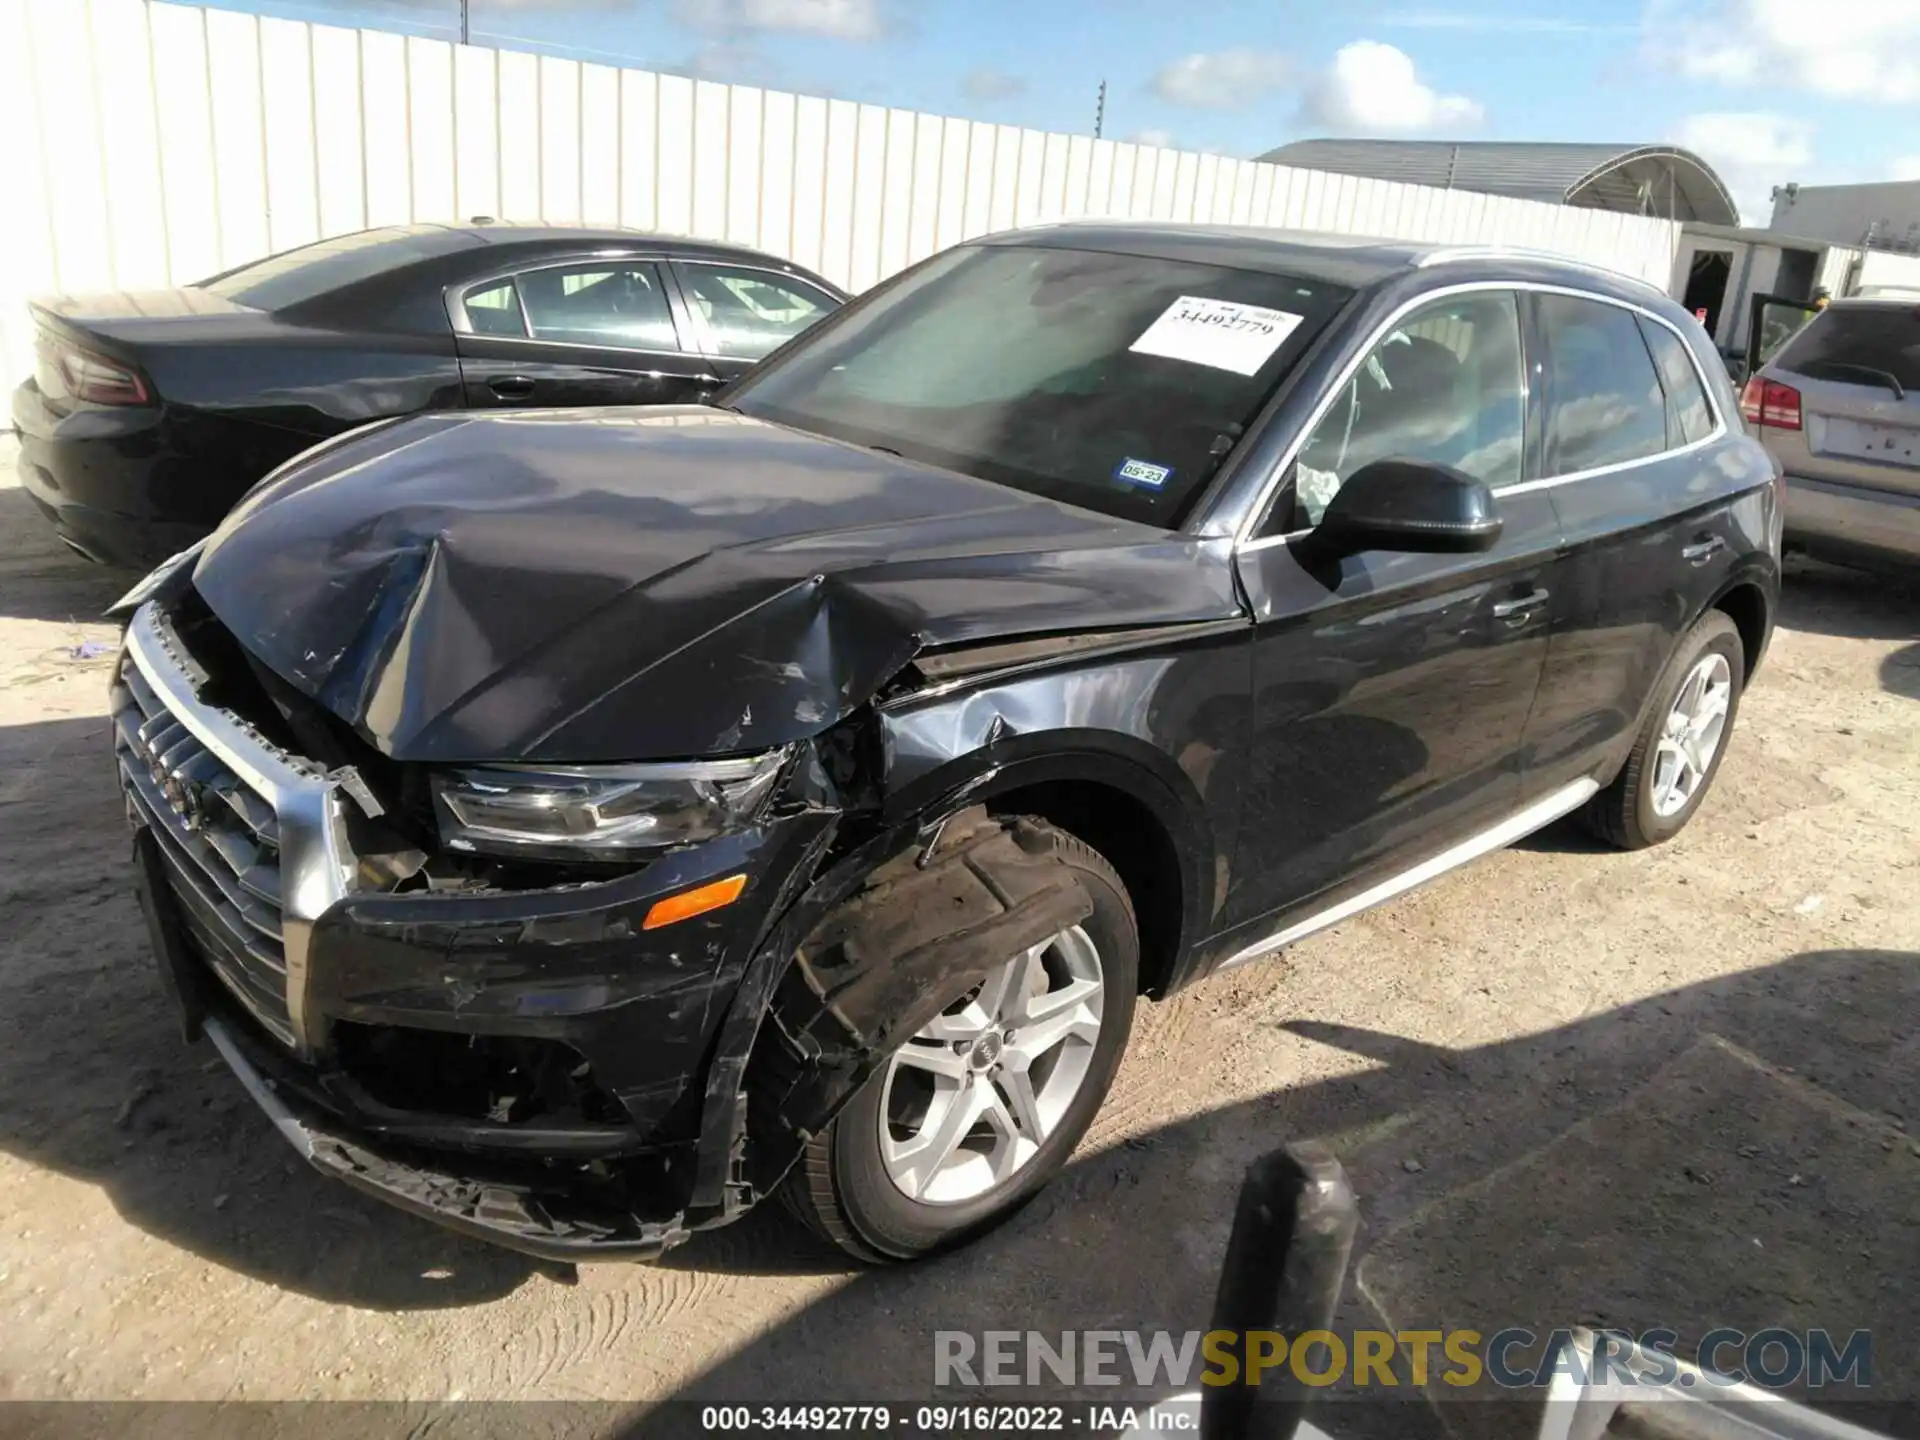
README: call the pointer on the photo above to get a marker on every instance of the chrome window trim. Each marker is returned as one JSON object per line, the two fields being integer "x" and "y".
{"x": 315, "y": 860}
{"x": 1257, "y": 512}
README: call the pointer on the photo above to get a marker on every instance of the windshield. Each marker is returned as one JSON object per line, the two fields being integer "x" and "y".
{"x": 1114, "y": 382}
{"x": 294, "y": 277}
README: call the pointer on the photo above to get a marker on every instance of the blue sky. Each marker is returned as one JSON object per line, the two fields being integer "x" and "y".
{"x": 1768, "y": 90}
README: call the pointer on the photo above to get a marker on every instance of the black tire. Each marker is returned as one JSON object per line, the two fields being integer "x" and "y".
{"x": 1623, "y": 814}
{"x": 839, "y": 1185}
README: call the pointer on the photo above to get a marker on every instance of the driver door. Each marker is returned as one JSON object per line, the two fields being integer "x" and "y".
{"x": 1392, "y": 690}
{"x": 595, "y": 332}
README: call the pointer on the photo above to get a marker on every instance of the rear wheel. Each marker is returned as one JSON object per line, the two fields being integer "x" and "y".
{"x": 985, "y": 1103}
{"x": 1680, "y": 745}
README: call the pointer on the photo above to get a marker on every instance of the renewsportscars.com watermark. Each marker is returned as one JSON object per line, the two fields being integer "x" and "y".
{"x": 1512, "y": 1359}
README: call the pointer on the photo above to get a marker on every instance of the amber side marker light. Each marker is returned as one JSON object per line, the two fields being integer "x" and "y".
{"x": 716, "y": 895}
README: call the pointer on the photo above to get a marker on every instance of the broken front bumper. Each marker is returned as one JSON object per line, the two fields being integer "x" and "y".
{"x": 510, "y": 1215}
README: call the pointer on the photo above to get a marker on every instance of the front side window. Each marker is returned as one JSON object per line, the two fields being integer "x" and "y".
{"x": 1604, "y": 401}
{"x": 751, "y": 313}
{"x": 1114, "y": 382}
{"x": 1689, "y": 417}
{"x": 1446, "y": 386}
{"x": 610, "y": 303}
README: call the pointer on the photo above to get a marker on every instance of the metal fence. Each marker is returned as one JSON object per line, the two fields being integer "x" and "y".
{"x": 153, "y": 144}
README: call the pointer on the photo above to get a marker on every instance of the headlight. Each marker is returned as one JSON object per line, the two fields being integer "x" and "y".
{"x": 600, "y": 811}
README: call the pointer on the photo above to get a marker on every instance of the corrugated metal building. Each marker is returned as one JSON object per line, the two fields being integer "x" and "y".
{"x": 1663, "y": 181}
{"x": 1877, "y": 217}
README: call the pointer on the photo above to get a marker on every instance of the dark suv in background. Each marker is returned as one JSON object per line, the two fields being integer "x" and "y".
{"x": 570, "y": 826}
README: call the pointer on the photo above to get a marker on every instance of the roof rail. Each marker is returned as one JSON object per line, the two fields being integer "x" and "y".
{"x": 1453, "y": 254}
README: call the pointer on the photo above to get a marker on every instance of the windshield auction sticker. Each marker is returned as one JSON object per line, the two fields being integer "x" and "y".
{"x": 1220, "y": 333}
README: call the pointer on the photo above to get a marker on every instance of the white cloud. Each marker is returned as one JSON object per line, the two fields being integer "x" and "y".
{"x": 1846, "y": 49}
{"x": 1161, "y": 139}
{"x": 1475, "y": 21}
{"x": 1904, "y": 167}
{"x": 986, "y": 83}
{"x": 1223, "y": 80}
{"x": 1752, "y": 151}
{"x": 841, "y": 19}
{"x": 1373, "y": 89}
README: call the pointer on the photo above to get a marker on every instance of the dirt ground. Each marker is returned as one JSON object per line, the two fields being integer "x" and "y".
{"x": 1571, "y": 1085}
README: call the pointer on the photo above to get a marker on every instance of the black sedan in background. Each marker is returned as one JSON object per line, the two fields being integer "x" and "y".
{"x": 149, "y": 414}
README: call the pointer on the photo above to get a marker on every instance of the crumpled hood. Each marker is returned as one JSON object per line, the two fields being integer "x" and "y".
{"x": 597, "y": 586}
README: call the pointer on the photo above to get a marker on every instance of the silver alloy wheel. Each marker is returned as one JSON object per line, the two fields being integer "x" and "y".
{"x": 970, "y": 1099}
{"x": 1691, "y": 737}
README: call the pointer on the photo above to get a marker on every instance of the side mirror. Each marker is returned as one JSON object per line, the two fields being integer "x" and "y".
{"x": 1408, "y": 505}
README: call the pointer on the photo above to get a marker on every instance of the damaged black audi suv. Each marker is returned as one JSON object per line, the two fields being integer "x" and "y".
{"x": 574, "y": 826}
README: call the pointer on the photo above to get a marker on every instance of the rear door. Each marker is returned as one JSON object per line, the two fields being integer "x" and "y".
{"x": 604, "y": 331}
{"x": 740, "y": 314}
{"x": 1628, "y": 457}
{"x": 1857, "y": 371}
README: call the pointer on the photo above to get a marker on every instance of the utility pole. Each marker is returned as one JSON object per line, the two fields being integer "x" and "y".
{"x": 463, "y": 22}
{"x": 1099, "y": 108}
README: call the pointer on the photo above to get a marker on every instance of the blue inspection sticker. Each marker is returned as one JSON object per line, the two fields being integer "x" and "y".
{"x": 1143, "y": 472}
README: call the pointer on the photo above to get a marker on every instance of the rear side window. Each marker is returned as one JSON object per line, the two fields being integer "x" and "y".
{"x": 1604, "y": 401}
{"x": 616, "y": 304}
{"x": 1847, "y": 342}
{"x": 1689, "y": 417}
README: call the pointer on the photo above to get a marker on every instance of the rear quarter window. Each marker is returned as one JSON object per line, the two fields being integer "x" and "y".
{"x": 1689, "y": 416}
{"x": 1845, "y": 339}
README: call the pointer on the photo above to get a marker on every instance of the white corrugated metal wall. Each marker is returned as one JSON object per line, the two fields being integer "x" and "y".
{"x": 151, "y": 144}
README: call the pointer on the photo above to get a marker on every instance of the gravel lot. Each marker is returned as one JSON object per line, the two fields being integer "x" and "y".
{"x": 1671, "y": 1087}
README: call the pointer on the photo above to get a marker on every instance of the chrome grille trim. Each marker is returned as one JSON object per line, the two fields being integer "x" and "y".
{"x": 298, "y": 798}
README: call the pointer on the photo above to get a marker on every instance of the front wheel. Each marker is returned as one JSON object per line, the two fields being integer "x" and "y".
{"x": 1680, "y": 745}
{"x": 985, "y": 1103}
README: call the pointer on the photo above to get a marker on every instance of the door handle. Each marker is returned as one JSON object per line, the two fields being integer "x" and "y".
{"x": 1703, "y": 549}
{"x": 1520, "y": 606}
{"x": 708, "y": 382}
{"x": 511, "y": 387}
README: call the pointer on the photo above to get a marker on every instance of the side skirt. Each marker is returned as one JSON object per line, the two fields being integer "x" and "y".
{"x": 1542, "y": 812}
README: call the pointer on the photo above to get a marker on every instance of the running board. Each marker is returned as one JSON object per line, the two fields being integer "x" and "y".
{"x": 1542, "y": 812}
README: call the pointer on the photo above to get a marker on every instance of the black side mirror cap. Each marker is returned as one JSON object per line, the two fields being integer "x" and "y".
{"x": 1408, "y": 505}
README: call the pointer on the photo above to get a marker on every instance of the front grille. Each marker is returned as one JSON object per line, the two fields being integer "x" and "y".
{"x": 221, "y": 841}
{"x": 245, "y": 829}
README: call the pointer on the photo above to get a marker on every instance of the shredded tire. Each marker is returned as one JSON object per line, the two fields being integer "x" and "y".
{"x": 810, "y": 1190}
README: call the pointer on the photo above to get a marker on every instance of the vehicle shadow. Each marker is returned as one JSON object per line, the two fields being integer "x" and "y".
{"x": 1900, "y": 672}
{"x": 40, "y": 578}
{"x": 95, "y": 1083}
{"x": 1849, "y": 604}
{"x": 1730, "y": 1153}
